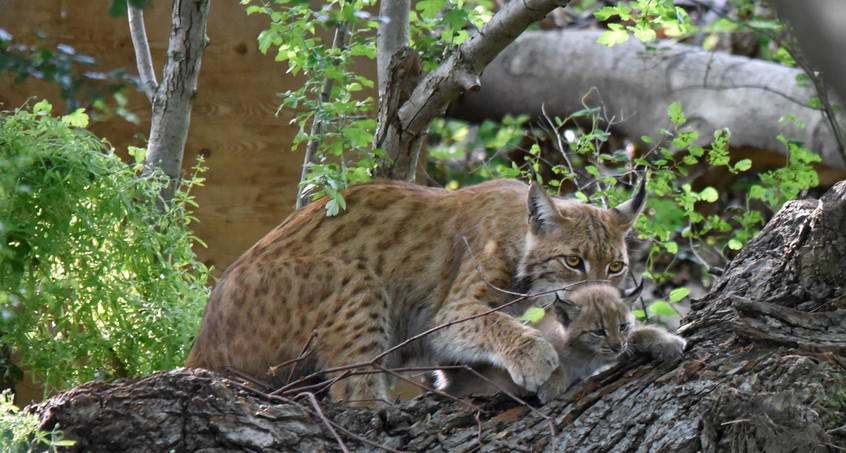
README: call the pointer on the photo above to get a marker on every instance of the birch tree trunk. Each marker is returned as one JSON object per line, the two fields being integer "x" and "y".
{"x": 765, "y": 371}
{"x": 173, "y": 98}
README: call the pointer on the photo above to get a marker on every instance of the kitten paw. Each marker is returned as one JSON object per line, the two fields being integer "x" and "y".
{"x": 555, "y": 386}
{"x": 672, "y": 347}
{"x": 531, "y": 362}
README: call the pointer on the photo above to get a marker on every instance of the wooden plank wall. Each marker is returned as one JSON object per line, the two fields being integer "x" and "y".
{"x": 252, "y": 177}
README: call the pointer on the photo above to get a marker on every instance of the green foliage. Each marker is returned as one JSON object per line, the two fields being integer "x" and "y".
{"x": 642, "y": 19}
{"x": 437, "y": 26}
{"x": 19, "y": 430}
{"x": 73, "y": 72}
{"x": 95, "y": 281}
{"x": 330, "y": 109}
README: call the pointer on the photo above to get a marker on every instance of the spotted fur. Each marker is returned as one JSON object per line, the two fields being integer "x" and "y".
{"x": 400, "y": 260}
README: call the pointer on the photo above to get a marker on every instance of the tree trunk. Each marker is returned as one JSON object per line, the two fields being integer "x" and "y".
{"x": 173, "y": 98}
{"x": 563, "y": 71}
{"x": 765, "y": 370}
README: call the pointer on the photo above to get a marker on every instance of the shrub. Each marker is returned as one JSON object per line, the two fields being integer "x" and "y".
{"x": 95, "y": 281}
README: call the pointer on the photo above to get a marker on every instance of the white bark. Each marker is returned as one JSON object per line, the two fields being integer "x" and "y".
{"x": 143, "y": 60}
{"x": 174, "y": 97}
{"x": 393, "y": 35}
{"x": 635, "y": 87}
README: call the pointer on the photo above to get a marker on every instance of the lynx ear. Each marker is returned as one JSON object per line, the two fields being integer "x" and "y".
{"x": 631, "y": 295}
{"x": 542, "y": 210}
{"x": 628, "y": 212}
{"x": 566, "y": 311}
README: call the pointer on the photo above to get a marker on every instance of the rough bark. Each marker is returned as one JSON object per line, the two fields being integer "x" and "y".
{"x": 765, "y": 371}
{"x": 634, "y": 87}
{"x": 173, "y": 98}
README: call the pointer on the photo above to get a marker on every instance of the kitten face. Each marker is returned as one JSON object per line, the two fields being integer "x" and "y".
{"x": 598, "y": 321}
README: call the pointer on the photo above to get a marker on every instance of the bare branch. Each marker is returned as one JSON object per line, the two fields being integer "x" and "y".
{"x": 143, "y": 60}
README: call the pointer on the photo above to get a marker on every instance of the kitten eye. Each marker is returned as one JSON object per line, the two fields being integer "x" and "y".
{"x": 616, "y": 267}
{"x": 624, "y": 327}
{"x": 598, "y": 332}
{"x": 573, "y": 261}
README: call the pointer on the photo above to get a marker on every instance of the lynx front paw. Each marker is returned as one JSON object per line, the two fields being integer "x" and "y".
{"x": 531, "y": 361}
{"x": 556, "y": 385}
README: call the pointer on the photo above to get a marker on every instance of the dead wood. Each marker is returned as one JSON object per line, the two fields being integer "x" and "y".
{"x": 765, "y": 371}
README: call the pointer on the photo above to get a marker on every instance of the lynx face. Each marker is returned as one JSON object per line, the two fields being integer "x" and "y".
{"x": 399, "y": 261}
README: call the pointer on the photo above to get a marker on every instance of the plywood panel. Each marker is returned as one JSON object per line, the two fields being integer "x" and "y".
{"x": 251, "y": 182}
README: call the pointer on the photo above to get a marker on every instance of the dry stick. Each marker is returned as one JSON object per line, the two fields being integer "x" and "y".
{"x": 303, "y": 354}
{"x": 325, "y": 420}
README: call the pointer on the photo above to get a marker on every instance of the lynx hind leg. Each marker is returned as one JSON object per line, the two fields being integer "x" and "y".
{"x": 352, "y": 328}
{"x": 657, "y": 343}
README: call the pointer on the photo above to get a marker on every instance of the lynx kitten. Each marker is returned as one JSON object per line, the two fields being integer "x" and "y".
{"x": 591, "y": 327}
{"x": 400, "y": 260}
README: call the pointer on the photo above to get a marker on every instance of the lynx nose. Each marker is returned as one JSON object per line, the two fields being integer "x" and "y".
{"x": 617, "y": 348}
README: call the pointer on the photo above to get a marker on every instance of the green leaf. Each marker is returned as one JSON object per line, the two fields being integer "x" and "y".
{"x": 671, "y": 247}
{"x": 662, "y": 308}
{"x": 532, "y": 315}
{"x": 616, "y": 34}
{"x": 734, "y": 244}
{"x": 676, "y": 114}
{"x": 76, "y": 119}
{"x": 429, "y": 9}
{"x": 679, "y": 294}
{"x": 709, "y": 194}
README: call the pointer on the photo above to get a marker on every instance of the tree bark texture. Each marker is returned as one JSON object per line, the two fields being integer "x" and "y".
{"x": 765, "y": 371}
{"x": 634, "y": 86}
{"x": 174, "y": 97}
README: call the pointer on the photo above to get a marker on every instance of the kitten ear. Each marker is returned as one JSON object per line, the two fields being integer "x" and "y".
{"x": 566, "y": 311}
{"x": 628, "y": 212}
{"x": 630, "y": 295}
{"x": 542, "y": 210}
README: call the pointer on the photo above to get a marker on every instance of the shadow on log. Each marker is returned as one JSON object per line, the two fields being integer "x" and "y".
{"x": 765, "y": 371}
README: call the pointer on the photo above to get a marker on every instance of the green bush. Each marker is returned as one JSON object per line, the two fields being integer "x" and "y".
{"x": 95, "y": 281}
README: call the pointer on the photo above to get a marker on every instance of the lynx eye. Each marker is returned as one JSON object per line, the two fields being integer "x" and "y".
{"x": 598, "y": 333}
{"x": 616, "y": 267}
{"x": 573, "y": 261}
{"x": 624, "y": 327}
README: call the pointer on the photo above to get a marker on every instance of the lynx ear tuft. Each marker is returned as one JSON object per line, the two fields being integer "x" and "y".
{"x": 542, "y": 211}
{"x": 628, "y": 212}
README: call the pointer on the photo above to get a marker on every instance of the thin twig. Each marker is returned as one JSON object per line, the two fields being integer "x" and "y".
{"x": 325, "y": 420}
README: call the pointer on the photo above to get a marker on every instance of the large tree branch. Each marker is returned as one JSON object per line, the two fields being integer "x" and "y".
{"x": 634, "y": 86}
{"x": 458, "y": 73}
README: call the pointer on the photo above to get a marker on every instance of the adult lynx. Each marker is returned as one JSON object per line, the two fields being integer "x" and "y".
{"x": 591, "y": 326}
{"x": 400, "y": 260}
